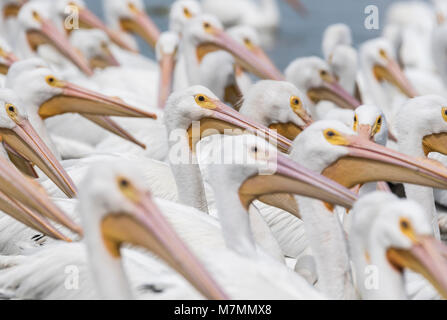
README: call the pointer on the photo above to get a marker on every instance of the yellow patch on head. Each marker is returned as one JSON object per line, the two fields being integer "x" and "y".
{"x": 187, "y": 13}
{"x": 127, "y": 189}
{"x": 208, "y": 27}
{"x": 11, "y": 110}
{"x": 326, "y": 76}
{"x": 132, "y": 7}
{"x": 248, "y": 43}
{"x": 334, "y": 137}
{"x": 36, "y": 16}
{"x": 407, "y": 229}
{"x": 204, "y": 102}
{"x": 377, "y": 125}
{"x": 383, "y": 54}
{"x": 296, "y": 104}
{"x": 444, "y": 113}
{"x": 53, "y": 81}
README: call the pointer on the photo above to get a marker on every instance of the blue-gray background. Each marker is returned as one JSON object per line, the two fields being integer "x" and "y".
{"x": 297, "y": 36}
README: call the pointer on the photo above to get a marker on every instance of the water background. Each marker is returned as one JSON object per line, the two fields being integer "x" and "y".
{"x": 296, "y": 36}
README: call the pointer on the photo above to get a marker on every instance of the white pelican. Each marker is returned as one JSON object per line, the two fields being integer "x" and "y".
{"x": 313, "y": 77}
{"x": 420, "y": 137}
{"x": 87, "y": 20}
{"x": 394, "y": 235}
{"x": 335, "y": 35}
{"x": 378, "y": 65}
{"x": 36, "y": 31}
{"x": 24, "y": 145}
{"x": 204, "y": 34}
{"x": 50, "y": 96}
{"x": 104, "y": 191}
{"x": 116, "y": 210}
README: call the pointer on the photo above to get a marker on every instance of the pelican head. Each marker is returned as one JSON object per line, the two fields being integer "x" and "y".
{"x": 249, "y": 166}
{"x": 39, "y": 30}
{"x": 206, "y": 34}
{"x": 53, "y": 96}
{"x": 166, "y": 53}
{"x": 7, "y": 57}
{"x": 248, "y": 36}
{"x": 370, "y": 122}
{"x": 278, "y": 105}
{"x": 422, "y": 124}
{"x": 24, "y": 144}
{"x": 181, "y": 13}
{"x": 313, "y": 77}
{"x": 131, "y": 17}
{"x": 396, "y": 237}
{"x": 335, "y": 35}
{"x": 94, "y": 44}
{"x": 87, "y": 20}
{"x": 378, "y": 57}
{"x": 117, "y": 209}
{"x": 199, "y": 112}
{"x": 350, "y": 159}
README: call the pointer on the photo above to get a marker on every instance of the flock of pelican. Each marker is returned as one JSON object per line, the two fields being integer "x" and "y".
{"x": 210, "y": 173}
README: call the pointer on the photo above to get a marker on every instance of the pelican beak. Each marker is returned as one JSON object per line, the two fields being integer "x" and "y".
{"x": 89, "y": 20}
{"x": 291, "y": 178}
{"x": 11, "y": 10}
{"x": 167, "y": 65}
{"x": 75, "y": 99}
{"x": 104, "y": 60}
{"x": 141, "y": 24}
{"x": 146, "y": 227}
{"x": 392, "y": 73}
{"x": 110, "y": 125}
{"x": 332, "y": 91}
{"x": 225, "y": 118}
{"x": 435, "y": 143}
{"x": 298, "y": 6}
{"x": 365, "y": 131}
{"x": 424, "y": 258}
{"x": 367, "y": 161}
{"x": 6, "y": 60}
{"x": 19, "y": 191}
{"x": 244, "y": 57}
{"x": 49, "y": 34}
{"x": 24, "y": 141}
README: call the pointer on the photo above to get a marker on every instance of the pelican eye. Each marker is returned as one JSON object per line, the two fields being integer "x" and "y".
{"x": 377, "y": 125}
{"x": 11, "y": 110}
{"x": 334, "y": 137}
{"x": 204, "y": 102}
{"x": 254, "y": 149}
{"x": 187, "y": 13}
{"x": 127, "y": 188}
{"x": 53, "y": 81}
{"x": 444, "y": 113}
{"x": 36, "y": 16}
{"x": 383, "y": 54}
{"x": 207, "y": 26}
{"x": 124, "y": 183}
{"x": 295, "y": 103}
{"x": 326, "y": 76}
{"x": 407, "y": 229}
{"x": 356, "y": 122}
{"x": 132, "y": 7}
